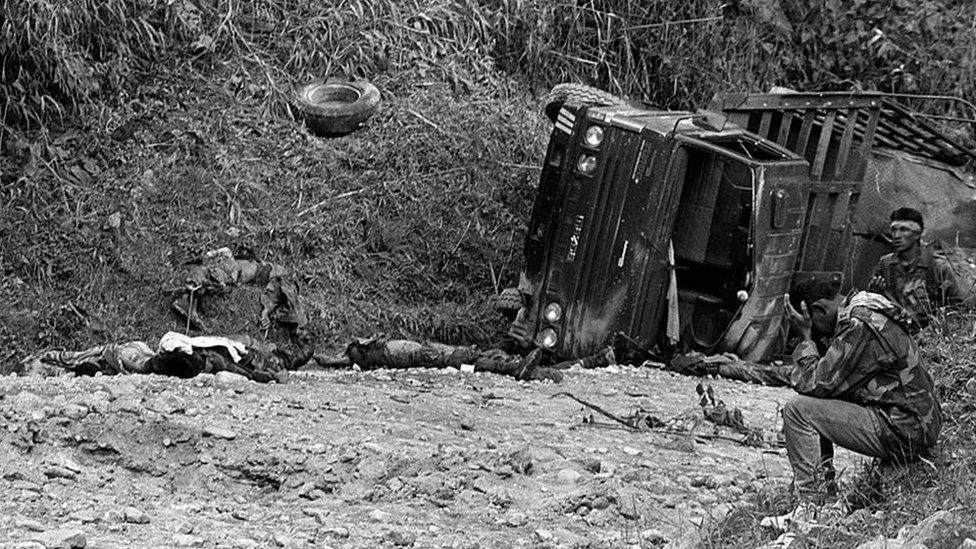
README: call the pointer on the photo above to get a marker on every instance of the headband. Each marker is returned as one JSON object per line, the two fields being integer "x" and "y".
{"x": 906, "y": 224}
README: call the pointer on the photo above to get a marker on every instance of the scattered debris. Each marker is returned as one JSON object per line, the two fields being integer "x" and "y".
{"x": 713, "y": 410}
{"x": 718, "y": 413}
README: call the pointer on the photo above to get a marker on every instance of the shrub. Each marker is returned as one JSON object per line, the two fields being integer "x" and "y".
{"x": 57, "y": 55}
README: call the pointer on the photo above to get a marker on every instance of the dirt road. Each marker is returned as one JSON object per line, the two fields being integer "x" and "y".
{"x": 369, "y": 459}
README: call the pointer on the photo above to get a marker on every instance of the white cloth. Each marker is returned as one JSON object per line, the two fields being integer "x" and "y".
{"x": 173, "y": 341}
{"x": 863, "y": 299}
{"x": 674, "y": 321}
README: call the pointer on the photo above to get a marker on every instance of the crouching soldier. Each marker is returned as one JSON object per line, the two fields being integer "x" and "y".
{"x": 869, "y": 392}
{"x": 912, "y": 276}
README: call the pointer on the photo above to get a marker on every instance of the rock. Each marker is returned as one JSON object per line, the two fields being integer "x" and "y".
{"x": 708, "y": 499}
{"x": 971, "y": 386}
{"x": 515, "y": 519}
{"x": 114, "y": 516}
{"x": 29, "y": 524}
{"x": 217, "y": 431}
{"x": 377, "y": 515}
{"x": 497, "y": 495}
{"x": 600, "y": 501}
{"x": 631, "y": 451}
{"x": 128, "y": 403}
{"x": 25, "y": 545}
{"x": 74, "y": 411}
{"x": 521, "y": 461}
{"x": 719, "y": 512}
{"x": 629, "y": 507}
{"x": 372, "y": 469}
{"x": 320, "y": 514}
{"x": 591, "y": 465}
{"x": 244, "y": 543}
{"x": 186, "y": 540}
{"x": 568, "y": 476}
{"x": 400, "y": 539}
{"x": 230, "y": 380}
{"x": 566, "y": 537}
{"x": 787, "y": 540}
{"x": 718, "y": 481}
{"x": 167, "y": 404}
{"x": 135, "y": 516}
{"x": 55, "y": 471}
{"x": 337, "y": 532}
{"x": 84, "y": 516}
{"x": 941, "y": 529}
{"x": 688, "y": 538}
{"x": 544, "y": 535}
{"x": 969, "y": 543}
{"x": 652, "y": 536}
{"x": 120, "y": 388}
{"x": 62, "y": 538}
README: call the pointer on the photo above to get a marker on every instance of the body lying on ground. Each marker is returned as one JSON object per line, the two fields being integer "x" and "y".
{"x": 176, "y": 355}
{"x": 381, "y": 351}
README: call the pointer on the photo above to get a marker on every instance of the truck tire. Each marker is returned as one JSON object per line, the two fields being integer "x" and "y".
{"x": 577, "y": 94}
{"x": 333, "y": 108}
{"x": 508, "y": 302}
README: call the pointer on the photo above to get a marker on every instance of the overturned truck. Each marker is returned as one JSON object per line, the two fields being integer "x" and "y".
{"x": 684, "y": 230}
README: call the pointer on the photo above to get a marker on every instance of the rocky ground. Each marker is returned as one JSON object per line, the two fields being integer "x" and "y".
{"x": 371, "y": 459}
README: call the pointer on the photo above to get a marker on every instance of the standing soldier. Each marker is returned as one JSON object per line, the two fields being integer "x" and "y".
{"x": 912, "y": 276}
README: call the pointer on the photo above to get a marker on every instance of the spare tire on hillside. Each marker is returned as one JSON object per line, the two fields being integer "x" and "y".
{"x": 577, "y": 94}
{"x": 333, "y": 108}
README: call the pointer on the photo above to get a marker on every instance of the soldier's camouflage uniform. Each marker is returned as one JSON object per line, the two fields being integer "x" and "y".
{"x": 869, "y": 392}
{"x": 920, "y": 287}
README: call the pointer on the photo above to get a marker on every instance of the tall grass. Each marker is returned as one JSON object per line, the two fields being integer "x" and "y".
{"x": 672, "y": 54}
{"x": 679, "y": 54}
{"x": 56, "y": 55}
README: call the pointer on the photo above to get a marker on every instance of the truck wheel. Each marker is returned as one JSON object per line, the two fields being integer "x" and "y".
{"x": 331, "y": 109}
{"x": 508, "y": 302}
{"x": 577, "y": 94}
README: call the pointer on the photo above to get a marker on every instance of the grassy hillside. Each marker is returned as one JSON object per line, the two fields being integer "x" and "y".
{"x": 407, "y": 226}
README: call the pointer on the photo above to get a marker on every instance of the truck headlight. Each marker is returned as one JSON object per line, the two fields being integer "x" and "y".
{"x": 548, "y": 337}
{"x": 586, "y": 164}
{"x": 593, "y": 136}
{"x": 553, "y": 312}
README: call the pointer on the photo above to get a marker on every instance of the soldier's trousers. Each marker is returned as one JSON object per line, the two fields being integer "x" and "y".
{"x": 813, "y": 425}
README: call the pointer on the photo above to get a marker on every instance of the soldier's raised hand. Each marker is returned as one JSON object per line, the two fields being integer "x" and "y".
{"x": 799, "y": 320}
